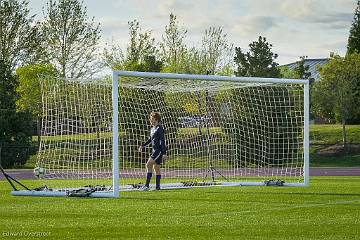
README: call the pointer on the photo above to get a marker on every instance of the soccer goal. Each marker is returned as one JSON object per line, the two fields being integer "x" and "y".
{"x": 220, "y": 131}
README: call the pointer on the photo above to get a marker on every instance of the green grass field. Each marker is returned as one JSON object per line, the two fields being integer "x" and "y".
{"x": 331, "y": 133}
{"x": 322, "y": 136}
{"x": 328, "y": 209}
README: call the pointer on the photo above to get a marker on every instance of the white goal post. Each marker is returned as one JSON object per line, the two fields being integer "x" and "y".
{"x": 220, "y": 131}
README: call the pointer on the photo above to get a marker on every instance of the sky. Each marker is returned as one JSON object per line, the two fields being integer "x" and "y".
{"x": 295, "y": 28}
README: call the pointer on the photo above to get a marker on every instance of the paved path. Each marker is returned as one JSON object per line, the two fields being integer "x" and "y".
{"x": 334, "y": 171}
{"x": 28, "y": 173}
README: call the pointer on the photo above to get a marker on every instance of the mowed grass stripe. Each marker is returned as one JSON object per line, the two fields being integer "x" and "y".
{"x": 327, "y": 209}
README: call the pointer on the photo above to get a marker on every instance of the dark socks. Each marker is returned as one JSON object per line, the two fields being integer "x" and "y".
{"x": 148, "y": 178}
{"x": 158, "y": 177}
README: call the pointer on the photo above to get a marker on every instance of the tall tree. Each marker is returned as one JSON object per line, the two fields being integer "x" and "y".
{"x": 302, "y": 70}
{"x": 15, "y": 126}
{"x": 213, "y": 57}
{"x": 141, "y": 43}
{"x": 71, "y": 38}
{"x": 18, "y": 46}
{"x": 148, "y": 64}
{"x": 141, "y": 53}
{"x": 141, "y": 49}
{"x": 354, "y": 37}
{"x": 216, "y": 50}
{"x": 172, "y": 47}
{"x": 258, "y": 62}
{"x": 286, "y": 72}
{"x": 18, "y": 33}
{"x": 336, "y": 95}
{"x": 354, "y": 46}
{"x": 29, "y": 89}
{"x": 113, "y": 57}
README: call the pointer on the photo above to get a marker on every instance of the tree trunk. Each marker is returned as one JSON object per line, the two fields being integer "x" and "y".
{"x": 38, "y": 131}
{"x": 344, "y": 133}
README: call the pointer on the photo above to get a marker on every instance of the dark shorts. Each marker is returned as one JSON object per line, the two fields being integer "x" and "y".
{"x": 158, "y": 157}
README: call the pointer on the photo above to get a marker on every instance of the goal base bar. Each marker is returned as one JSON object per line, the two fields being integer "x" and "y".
{"x": 60, "y": 194}
{"x": 260, "y": 184}
{"x": 180, "y": 185}
{"x": 131, "y": 188}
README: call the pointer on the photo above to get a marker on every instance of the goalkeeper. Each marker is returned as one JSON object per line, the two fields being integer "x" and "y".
{"x": 157, "y": 140}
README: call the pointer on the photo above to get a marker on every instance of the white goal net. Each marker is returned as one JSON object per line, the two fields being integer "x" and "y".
{"x": 219, "y": 130}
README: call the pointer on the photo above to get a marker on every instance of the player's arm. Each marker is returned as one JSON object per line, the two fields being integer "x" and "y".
{"x": 163, "y": 142}
{"x": 147, "y": 142}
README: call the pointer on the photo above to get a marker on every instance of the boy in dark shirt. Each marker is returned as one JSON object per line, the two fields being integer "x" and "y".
{"x": 157, "y": 140}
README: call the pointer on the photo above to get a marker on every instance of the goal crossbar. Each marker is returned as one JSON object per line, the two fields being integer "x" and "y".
{"x": 208, "y": 77}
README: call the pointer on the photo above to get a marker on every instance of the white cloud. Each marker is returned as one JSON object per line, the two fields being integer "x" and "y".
{"x": 112, "y": 23}
{"x": 338, "y": 47}
{"x": 300, "y": 10}
{"x": 253, "y": 25}
{"x": 166, "y": 7}
{"x": 317, "y": 12}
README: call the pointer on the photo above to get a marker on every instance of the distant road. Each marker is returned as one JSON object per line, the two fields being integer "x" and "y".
{"x": 28, "y": 173}
{"x": 334, "y": 171}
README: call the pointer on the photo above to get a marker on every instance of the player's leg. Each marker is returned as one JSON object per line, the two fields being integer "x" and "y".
{"x": 157, "y": 168}
{"x": 149, "y": 168}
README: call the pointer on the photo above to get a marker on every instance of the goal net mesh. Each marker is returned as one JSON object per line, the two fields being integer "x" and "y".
{"x": 217, "y": 132}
